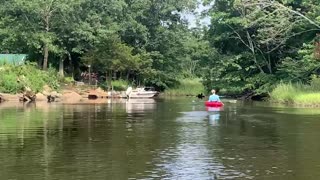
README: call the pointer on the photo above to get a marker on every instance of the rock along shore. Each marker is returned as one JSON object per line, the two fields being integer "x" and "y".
{"x": 67, "y": 95}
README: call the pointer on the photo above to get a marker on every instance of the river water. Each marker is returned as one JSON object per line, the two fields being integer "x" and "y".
{"x": 159, "y": 139}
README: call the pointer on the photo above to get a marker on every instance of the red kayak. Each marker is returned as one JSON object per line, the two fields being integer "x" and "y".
{"x": 213, "y": 104}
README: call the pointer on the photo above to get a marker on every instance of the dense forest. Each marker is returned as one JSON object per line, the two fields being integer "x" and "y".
{"x": 250, "y": 45}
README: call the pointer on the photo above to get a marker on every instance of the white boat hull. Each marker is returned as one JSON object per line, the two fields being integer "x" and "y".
{"x": 146, "y": 94}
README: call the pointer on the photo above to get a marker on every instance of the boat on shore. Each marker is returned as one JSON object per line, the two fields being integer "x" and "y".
{"x": 142, "y": 92}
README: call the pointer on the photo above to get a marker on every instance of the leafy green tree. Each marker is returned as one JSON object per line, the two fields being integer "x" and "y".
{"x": 35, "y": 22}
{"x": 260, "y": 42}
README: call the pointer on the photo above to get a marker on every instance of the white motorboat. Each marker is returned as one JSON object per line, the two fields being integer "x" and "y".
{"x": 143, "y": 92}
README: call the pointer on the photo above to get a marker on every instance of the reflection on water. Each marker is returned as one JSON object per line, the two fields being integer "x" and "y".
{"x": 192, "y": 157}
{"x": 134, "y": 105}
{"x": 214, "y": 115}
{"x": 158, "y": 139}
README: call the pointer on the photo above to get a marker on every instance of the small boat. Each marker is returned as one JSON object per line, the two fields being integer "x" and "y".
{"x": 144, "y": 92}
{"x": 213, "y": 104}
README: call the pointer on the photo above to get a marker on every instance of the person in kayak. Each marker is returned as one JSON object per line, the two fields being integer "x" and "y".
{"x": 214, "y": 97}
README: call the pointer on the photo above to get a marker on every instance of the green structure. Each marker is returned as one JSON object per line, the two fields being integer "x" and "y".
{"x": 14, "y": 59}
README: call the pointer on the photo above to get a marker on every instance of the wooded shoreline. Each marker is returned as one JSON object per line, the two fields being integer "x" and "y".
{"x": 247, "y": 48}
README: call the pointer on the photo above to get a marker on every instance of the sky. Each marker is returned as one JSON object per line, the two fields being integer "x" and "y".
{"x": 191, "y": 17}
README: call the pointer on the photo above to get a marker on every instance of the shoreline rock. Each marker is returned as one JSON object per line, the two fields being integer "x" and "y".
{"x": 9, "y": 97}
{"x": 71, "y": 97}
{"x": 67, "y": 95}
{"x": 40, "y": 97}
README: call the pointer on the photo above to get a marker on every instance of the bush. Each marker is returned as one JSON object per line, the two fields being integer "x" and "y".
{"x": 284, "y": 93}
{"x": 13, "y": 79}
{"x": 9, "y": 83}
{"x": 68, "y": 80}
{"x": 187, "y": 87}
{"x": 104, "y": 86}
{"x": 298, "y": 93}
{"x": 315, "y": 83}
{"x": 120, "y": 85}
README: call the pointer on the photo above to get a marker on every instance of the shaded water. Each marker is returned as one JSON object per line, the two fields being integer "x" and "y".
{"x": 162, "y": 139}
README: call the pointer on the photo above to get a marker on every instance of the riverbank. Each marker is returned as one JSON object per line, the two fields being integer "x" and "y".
{"x": 27, "y": 83}
{"x": 297, "y": 94}
{"x": 68, "y": 95}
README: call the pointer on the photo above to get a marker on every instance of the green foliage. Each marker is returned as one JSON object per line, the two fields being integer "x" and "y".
{"x": 315, "y": 83}
{"x": 8, "y": 83}
{"x": 186, "y": 87}
{"x": 285, "y": 92}
{"x": 112, "y": 54}
{"x": 104, "y": 86}
{"x": 297, "y": 93}
{"x": 68, "y": 80}
{"x": 259, "y": 44}
{"x": 14, "y": 79}
{"x": 249, "y": 46}
{"x": 120, "y": 85}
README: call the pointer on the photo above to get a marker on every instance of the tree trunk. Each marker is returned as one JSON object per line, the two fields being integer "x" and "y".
{"x": 128, "y": 75}
{"x": 120, "y": 74}
{"x": 114, "y": 75}
{"x": 45, "y": 57}
{"x": 109, "y": 79}
{"x": 61, "y": 67}
{"x": 270, "y": 64}
{"x": 46, "y": 48}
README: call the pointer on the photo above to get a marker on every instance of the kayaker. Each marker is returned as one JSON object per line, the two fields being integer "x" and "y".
{"x": 214, "y": 97}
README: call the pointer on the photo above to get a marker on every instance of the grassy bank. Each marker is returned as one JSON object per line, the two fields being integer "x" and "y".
{"x": 186, "y": 87}
{"x": 117, "y": 85}
{"x": 297, "y": 94}
{"x": 14, "y": 79}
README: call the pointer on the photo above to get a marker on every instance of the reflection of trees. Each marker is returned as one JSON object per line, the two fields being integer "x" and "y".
{"x": 24, "y": 140}
{"x": 250, "y": 142}
{"x": 300, "y": 134}
{"x": 108, "y": 141}
{"x": 103, "y": 141}
{"x": 192, "y": 155}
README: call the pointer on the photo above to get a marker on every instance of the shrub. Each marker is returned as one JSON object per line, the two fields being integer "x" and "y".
{"x": 13, "y": 79}
{"x": 298, "y": 93}
{"x": 187, "y": 87}
{"x": 120, "y": 85}
{"x": 284, "y": 93}
{"x": 9, "y": 83}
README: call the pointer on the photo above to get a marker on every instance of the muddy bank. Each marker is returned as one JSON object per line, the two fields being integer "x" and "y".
{"x": 129, "y": 104}
{"x": 65, "y": 96}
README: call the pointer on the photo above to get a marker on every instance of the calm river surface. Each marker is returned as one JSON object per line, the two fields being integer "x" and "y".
{"x": 159, "y": 139}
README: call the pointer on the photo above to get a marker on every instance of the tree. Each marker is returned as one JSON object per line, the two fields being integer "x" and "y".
{"x": 35, "y": 22}
{"x": 256, "y": 40}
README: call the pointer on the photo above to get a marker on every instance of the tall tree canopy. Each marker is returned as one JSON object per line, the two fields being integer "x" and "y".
{"x": 250, "y": 44}
{"x": 261, "y": 42}
{"x": 144, "y": 40}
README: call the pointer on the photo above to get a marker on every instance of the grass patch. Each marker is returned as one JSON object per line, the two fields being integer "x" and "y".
{"x": 14, "y": 79}
{"x": 186, "y": 87}
{"x": 120, "y": 85}
{"x": 297, "y": 94}
{"x": 117, "y": 85}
